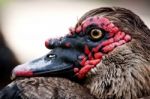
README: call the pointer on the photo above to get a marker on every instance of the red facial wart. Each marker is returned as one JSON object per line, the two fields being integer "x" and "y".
{"x": 117, "y": 38}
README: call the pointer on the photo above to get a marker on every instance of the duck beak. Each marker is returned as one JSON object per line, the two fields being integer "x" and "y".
{"x": 59, "y": 62}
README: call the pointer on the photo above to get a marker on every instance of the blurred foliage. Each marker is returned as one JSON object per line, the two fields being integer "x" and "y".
{"x": 2, "y": 2}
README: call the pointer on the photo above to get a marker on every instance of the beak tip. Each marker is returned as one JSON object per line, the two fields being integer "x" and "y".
{"x": 21, "y": 70}
{"x": 23, "y": 73}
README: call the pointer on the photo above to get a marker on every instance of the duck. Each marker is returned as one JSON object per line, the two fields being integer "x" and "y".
{"x": 105, "y": 56}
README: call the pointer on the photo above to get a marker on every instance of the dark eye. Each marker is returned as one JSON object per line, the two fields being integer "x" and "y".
{"x": 96, "y": 34}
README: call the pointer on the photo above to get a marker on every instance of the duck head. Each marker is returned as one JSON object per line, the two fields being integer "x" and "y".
{"x": 75, "y": 54}
{"x": 108, "y": 46}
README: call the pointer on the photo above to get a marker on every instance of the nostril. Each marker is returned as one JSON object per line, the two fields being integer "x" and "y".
{"x": 50, "y": 57}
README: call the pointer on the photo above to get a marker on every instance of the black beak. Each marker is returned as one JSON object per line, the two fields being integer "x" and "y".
{"x": 59, "y": 62}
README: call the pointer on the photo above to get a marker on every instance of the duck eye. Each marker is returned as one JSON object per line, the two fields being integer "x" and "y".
{"x": 96, "y": 34}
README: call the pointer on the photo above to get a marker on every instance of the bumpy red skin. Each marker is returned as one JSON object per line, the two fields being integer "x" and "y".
{"x": 117, "y": 38}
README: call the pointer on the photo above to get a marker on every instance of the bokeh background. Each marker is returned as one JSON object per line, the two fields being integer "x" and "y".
{"x": 26, "y": 24}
